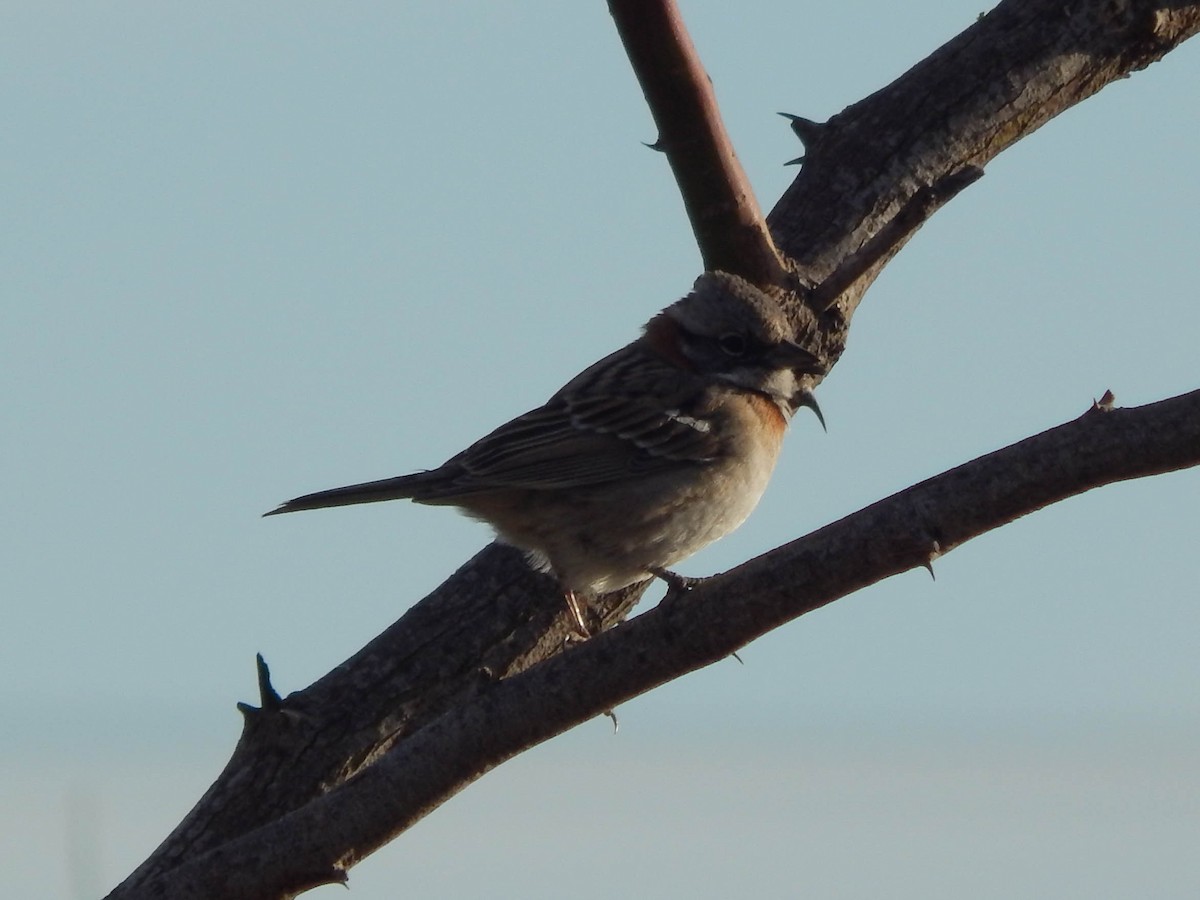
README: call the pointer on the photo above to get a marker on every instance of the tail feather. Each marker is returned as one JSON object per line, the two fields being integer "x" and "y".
{"x": 399, "y": 488}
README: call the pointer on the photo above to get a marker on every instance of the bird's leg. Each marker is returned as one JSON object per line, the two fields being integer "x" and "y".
{"x": 583, "y": 632}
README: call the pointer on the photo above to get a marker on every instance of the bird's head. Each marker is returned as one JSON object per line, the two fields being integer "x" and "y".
{"x": 729, "y": 330}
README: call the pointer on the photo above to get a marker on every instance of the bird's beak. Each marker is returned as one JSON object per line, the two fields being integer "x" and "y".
{"x": 806, "y": 398}
{"x": 802, "y": 361}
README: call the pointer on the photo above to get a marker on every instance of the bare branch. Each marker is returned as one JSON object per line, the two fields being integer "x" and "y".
{"x": 492, "y": 618}
{"x": 688, "y": 632}
{"x": 867, "y": 260}
{"x": 1017, "y": 67}
{"x": 729, "y": 226}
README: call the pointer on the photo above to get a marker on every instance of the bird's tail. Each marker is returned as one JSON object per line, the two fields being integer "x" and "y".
{"x": 400, "y": 488}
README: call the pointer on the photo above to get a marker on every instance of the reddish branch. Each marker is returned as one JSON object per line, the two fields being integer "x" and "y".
{"x": 730, "y": 230}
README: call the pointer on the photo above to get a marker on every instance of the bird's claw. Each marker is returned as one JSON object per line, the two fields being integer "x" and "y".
{"x": 677, "y": 585}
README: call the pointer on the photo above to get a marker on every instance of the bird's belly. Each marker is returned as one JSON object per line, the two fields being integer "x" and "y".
{"x": 602, "y": 538}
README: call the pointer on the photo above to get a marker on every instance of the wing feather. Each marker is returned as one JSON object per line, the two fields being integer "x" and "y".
{"x": 603, "y": 426}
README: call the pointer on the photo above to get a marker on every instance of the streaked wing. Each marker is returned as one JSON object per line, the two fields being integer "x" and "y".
{"x": 603, "y": 426}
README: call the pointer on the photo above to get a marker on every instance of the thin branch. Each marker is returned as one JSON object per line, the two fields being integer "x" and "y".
{"x": 729, "y": 226}
{"x": 864, "y": 263}
{"x": 708, "y": 624}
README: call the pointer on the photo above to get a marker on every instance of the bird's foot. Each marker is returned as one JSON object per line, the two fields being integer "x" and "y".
{"x": 678, "y": 585}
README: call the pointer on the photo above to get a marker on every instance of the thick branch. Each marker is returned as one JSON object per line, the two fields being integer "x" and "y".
{"x": 687, "y": 632}
{"x": 493, "y": 617}
{"x": 1016, "y": 68}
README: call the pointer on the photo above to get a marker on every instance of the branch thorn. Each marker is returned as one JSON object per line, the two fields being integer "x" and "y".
{"x": 807, "y": 130}
{"x": 933, "y": 552}
{"x": 1105, "y": 403}
{"x": 267, "y": 694}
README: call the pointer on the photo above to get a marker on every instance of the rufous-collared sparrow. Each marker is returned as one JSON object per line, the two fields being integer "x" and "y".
{"x": 640, "y": 460}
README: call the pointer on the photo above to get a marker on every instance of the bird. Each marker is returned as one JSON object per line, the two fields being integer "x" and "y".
{"x": 643, "y": 458}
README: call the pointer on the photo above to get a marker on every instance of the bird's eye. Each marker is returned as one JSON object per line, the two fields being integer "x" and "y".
{"x": 732, "y": 344}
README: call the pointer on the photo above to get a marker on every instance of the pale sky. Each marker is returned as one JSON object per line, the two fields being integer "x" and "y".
{"x": 255, "y": 250}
